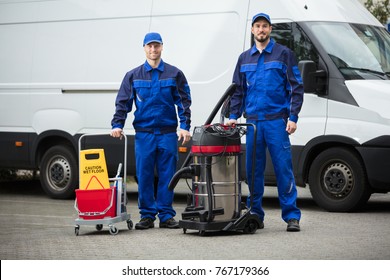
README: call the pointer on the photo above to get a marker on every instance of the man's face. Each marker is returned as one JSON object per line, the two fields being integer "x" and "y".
{"x": 153, "y": 50}
{"x": 261, "y": 30}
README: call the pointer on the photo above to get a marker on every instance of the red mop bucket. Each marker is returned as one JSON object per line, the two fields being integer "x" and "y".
{"x": 97, "y": 203}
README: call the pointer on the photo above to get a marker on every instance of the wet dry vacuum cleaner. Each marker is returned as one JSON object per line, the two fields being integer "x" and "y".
{"x": 215, "y": 200}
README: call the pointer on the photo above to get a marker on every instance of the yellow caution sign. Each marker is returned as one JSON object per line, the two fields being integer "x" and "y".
{"x": 93, "y": 170}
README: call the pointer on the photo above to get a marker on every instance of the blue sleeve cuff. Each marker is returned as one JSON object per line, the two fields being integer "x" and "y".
{"x": 233, "y": 117}
{"x": 185, "y": 127}
{"x": 293, "y": 118}
{"x": 117, "y": 126}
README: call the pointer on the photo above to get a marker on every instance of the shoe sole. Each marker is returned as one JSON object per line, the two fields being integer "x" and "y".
{"x": 142, "y": 227}
{"x": 293, "y": 228}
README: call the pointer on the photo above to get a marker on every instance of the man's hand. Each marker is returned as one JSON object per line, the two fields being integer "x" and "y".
{"x": 185, "y": 135}
{"x": 116, "y": 132}
{"x": 231, "y": 122}
{"x": 291, "y": 127}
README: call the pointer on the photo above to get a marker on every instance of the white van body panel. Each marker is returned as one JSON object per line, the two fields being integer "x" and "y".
{"x": 361, "y": 124}
{"x": 372, "y": 95}
{"x": 312, "y": 120}
{"x": 371, "y": 119}
{"x": 88, "y": 47}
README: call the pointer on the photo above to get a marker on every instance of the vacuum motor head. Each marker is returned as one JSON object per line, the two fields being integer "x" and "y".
{"x": 216, "y": 139}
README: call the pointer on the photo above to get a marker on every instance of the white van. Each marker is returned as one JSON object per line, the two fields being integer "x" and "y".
{"x": 61, "y": 64}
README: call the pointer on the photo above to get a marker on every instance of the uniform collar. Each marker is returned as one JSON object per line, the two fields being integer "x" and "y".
{"x": 148, "y": 68}
{"x": 267, "y": 49}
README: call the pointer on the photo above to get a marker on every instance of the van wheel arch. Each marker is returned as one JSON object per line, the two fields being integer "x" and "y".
{"x": 338, "y": 181}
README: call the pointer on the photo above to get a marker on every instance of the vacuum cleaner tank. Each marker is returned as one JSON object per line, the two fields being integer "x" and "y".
{"x": 217, "y": 149}
{"x": 224, "y": 184}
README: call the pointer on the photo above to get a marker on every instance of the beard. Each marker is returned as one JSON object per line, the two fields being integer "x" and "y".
{"x": 262, "y": 39}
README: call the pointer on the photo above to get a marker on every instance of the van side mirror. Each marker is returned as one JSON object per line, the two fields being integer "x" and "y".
{"x": 309, "y": 75}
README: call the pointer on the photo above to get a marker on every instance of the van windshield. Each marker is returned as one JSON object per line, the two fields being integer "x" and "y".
{"x": 359, "y": 51}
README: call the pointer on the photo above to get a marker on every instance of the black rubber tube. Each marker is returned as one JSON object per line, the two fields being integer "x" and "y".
{"x": 229, "y": 92}
{"x": 176, "y": 177}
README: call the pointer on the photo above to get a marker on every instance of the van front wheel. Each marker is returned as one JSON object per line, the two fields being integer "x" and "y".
{"x": 337, "y": 180}
{"x": 58, "y": 172}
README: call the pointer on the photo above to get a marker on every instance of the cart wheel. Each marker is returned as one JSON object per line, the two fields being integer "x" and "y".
{"x": 184, "y": 230}
{"x": 77, "y": 230}
{"x": 202, "y": 232}
{"x": 130, "y": 224}
{"x": 113, "y": 230}
{"x": 250, "y": 227}
{"x": 99, "y": 227}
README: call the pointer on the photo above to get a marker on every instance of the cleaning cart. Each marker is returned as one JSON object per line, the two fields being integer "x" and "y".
{"x": 100, "y": 200}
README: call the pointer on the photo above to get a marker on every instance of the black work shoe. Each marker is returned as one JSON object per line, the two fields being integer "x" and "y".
{"x": 145, "y": 223}
{"x": 170, "y": 223}
{"x": 261, "y": 225}
{"x": 293, "y": 225}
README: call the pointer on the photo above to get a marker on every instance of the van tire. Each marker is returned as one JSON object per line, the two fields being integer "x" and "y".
{"x": 58, "y": 172}
{"x": 337, "y": 180}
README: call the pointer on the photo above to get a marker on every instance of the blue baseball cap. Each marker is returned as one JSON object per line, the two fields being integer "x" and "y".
{"x": 152, "y": 37}
{"x": 261, "y": 15}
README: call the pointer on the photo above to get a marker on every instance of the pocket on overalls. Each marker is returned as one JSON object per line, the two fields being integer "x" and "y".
{"x": 142, "y": 90}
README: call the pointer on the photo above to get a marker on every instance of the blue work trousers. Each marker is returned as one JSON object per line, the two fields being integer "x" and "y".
{"x": 155, "y": 151}
{"x": 272, "y": 134}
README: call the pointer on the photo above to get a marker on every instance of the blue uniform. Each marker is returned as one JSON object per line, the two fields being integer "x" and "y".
{"x": 156, "y": 94}
{"x": 269, "y": 92}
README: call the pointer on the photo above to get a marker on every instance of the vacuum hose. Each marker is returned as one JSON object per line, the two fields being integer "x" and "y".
{"x": 193, "y": 169}
{"x": 228, "y": 93}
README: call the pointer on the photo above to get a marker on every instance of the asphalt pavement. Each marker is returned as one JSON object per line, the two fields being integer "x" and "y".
{"x": 35, "y": 227}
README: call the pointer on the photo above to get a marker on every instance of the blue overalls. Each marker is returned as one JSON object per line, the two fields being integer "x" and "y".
{"x": 269, "y": 92}
{"x": 155, "y": 92}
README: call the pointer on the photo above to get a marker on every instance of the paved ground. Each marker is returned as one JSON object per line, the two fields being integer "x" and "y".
{"x": 37, "y": 227}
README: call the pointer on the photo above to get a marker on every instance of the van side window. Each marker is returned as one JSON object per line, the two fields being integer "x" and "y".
{"x": 292, "y": 36}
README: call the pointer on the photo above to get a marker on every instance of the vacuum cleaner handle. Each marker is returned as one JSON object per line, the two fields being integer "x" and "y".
{"x": 252, "y": 182}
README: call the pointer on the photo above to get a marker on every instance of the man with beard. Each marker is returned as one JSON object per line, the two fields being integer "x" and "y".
{"x": 269, "y": 94}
